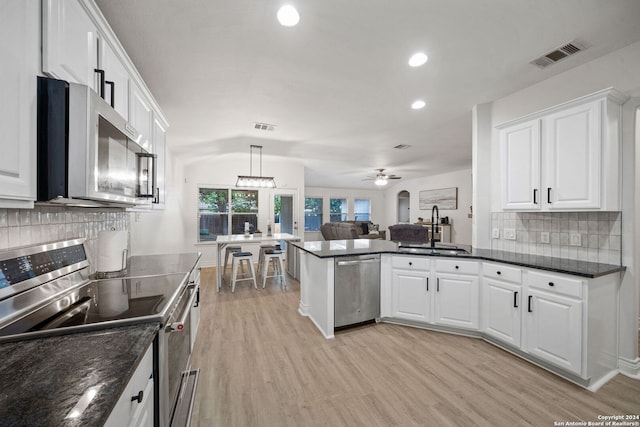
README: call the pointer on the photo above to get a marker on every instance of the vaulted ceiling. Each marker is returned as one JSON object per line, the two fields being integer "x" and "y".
{"x": 337, "y": 86}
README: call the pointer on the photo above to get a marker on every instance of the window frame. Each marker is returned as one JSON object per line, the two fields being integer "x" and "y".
{"x": 229, "y": 211}
{"x": 320, "y": 214}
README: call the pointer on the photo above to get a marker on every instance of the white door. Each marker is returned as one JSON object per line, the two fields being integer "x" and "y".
{"x": 520, "y": 150}
{"x": 20, "y": 51}
{"x": 502, "y": 311}
{"x": 410, "y": 295}
{"x": 554, "y": 329}
{"x": 159, "y": 148}
{"x": 69, "y": 42}
{"x": 283, "y": 212}
{"x": 456, "y": 300}
{"x": 140, "y": 115}
{"x": 117, "y": 78}
{"x": 573, "y": 144}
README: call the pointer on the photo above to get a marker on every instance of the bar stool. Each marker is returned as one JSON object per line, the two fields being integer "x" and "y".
{"x": 263, "y": 248}
{"x": 230, "y": 250}
{"x": 275, "y": 258}
{"x": 238, "y": 259}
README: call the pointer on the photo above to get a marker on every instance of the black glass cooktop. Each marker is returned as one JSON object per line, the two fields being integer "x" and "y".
{"x": 104, "y": 301}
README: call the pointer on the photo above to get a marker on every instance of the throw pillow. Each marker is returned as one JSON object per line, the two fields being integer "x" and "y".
{"x": 365, "y": 227}
{"x": 374, "y": 228}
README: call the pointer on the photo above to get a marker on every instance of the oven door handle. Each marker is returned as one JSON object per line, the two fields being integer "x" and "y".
{"x": 179, "y": 325}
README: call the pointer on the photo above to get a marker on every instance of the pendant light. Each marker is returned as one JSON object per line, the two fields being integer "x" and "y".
{"x": 252, "y": 180}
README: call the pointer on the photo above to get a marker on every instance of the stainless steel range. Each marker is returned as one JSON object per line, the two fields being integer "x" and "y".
{"x": 46, "y": 290}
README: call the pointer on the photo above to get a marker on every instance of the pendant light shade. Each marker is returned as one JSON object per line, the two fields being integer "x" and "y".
{"x": 254, "y": 181}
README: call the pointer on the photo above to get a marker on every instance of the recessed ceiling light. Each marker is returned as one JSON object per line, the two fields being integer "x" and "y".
{"x": 288, "y": 16}
{"x": 418, "y": 59}
{"x": 418, "y": 104}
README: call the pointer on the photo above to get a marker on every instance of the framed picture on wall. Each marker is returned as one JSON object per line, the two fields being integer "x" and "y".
{"x": 444, "y": 198}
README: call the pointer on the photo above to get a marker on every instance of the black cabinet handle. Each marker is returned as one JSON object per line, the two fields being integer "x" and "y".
{"x": 427, "y": 284}
{"x": 530, "y": 309}
{"x": 101, "y": 74}
{"x": 535, "y": 193}
{"x": 139, "y": 397}
{"x": 499, "y": 273}
{"x": 548, "y": 194}
{"x": 551, "y": 284}
{"x": 113, "y": 90}
{"x": 410, "y": 263}
{"x": 515, "y": 299}
{"x": 156, "y": 199}
{"x": 457, "y": 267}
{"x": 438, "y": 284}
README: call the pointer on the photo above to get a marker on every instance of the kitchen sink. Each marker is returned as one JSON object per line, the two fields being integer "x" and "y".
{"x": 428, "y": 250}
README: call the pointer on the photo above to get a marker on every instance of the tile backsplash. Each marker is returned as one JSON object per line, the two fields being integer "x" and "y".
{"x": 555, "y": 234}
{"x": 25, "y": 227}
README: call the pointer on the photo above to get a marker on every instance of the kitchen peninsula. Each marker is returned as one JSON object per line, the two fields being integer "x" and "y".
{"x": 559, "y": 314}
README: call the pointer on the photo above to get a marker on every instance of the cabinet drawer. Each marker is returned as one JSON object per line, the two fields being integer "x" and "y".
{"x": 411, "y": 262}
{"x": 556, "y": 284}
{"x": 502, "y": 272}
{"x": 457, "y": 266}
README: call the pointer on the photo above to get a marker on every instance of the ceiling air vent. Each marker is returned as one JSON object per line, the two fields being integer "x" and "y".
{"x": 558, "y": 54}
{"x": 402, "y": 146}
{"x": 264, "y": 126}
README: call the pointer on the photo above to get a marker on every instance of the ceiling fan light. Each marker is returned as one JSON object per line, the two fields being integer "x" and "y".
{"x": 380, "y": 181}
{"x": 288, "y": 16}
{"x": 419, "y": 104}
{"x": 418, "y": 59}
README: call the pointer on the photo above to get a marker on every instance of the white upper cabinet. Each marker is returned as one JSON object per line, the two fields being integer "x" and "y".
{"x": 69, "y": 43}
{"x": 520, "y": 147}
{"x": 159, "y": 148}
{"x": 116, "y": 79}
{"x": 141, "y": 115}
{"x": 564, "y": 158}
{"x": 20, "y": 50}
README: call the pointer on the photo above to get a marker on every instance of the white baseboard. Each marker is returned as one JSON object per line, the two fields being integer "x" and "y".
{"x": 629, "y": 368}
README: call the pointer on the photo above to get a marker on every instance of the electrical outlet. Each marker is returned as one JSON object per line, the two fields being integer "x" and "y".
{"x": 544, "y": 237}
{"x": 495, "y": 233}
{"x": 575, "y": 239}
{"x": 509, "y": 233}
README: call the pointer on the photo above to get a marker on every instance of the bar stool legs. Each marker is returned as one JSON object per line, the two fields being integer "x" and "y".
{"x": 238, "y": 259}
{"x": 229, "y": 250}
{"x": 275, "y": 258}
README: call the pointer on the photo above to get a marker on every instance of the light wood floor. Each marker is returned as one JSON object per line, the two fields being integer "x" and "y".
{"x": 262, "y": 364}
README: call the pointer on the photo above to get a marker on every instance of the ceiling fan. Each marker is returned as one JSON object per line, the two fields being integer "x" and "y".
{"x": 381, "y": 178}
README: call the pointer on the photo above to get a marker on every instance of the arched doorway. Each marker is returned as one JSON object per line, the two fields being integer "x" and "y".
{"x": 404, "y": 206}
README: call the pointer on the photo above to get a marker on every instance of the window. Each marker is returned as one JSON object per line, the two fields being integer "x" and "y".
{"x": 362, "y": 209}
{"x": 213, "y": 210}
{"x": 338, "y": 210}
{"x": 312, "y": 213}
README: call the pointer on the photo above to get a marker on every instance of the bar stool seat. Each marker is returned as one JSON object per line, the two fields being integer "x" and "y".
{"x": 275, "y": 258}
{"x": 238, "y": 259}
{"x": 229, "y": 250}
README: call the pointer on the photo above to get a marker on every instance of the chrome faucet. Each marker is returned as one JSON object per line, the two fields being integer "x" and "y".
{"x": 434, "y": 224}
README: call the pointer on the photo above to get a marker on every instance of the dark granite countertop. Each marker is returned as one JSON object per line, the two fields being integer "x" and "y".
{"x": 143, "y": 265}
{"x": 43, "y": 379}
{"x": 341, "y": 248}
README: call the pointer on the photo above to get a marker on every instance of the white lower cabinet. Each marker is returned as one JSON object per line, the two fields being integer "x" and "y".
{"x": 135, "y": 406}
{"x": 410, "y": 294}
{"x": 457, "y": 293}
{"x": 501, "y": 308}
{"x": 554, "y": 329}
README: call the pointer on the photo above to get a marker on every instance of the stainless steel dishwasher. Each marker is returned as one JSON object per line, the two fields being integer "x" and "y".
{"x": 357, "y": 289}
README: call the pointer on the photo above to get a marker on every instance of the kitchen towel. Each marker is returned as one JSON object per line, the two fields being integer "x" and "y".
{"x": 112, "y": 251}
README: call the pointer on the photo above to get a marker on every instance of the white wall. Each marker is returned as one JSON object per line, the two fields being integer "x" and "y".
{"x": 619, "y": 69}
{"x": 461, "y": 223}
{"x": 377, "y": 197}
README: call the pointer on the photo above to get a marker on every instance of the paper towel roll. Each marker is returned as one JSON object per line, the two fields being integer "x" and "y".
{"x": 111, "y": 251}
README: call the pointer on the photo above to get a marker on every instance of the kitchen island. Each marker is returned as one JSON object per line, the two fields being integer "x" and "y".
{"x": 559, "y": 314}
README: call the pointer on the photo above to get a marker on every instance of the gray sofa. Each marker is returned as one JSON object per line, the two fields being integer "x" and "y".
{"x": 408, "y": 233}
{"x": 347, "y": 230}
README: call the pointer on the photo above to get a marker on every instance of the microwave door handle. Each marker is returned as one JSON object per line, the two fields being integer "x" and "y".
{"x": 154, "y": 179}
{"x": 101, "y": 74}
{"x": 113, "y": 90}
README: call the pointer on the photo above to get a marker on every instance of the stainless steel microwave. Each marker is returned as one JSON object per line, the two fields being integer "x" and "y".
{"x": 88, "y": 154}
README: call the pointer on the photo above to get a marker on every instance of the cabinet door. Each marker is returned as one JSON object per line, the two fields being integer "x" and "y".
{"x": 19, "y": 30}
{"x": 572, "y": 166}
{"x": 501, "y": 310}
{"x": 554, "y": 329}
{"x": 456, "y": 300}
{"x": 410, "y": 295}
{"x": 140, "y": 115}
{"x": 69, "y": 42}
{"x": 520, "y": 149}
{"x": 116, "y": 73}
{"x": 159, "y": 148}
